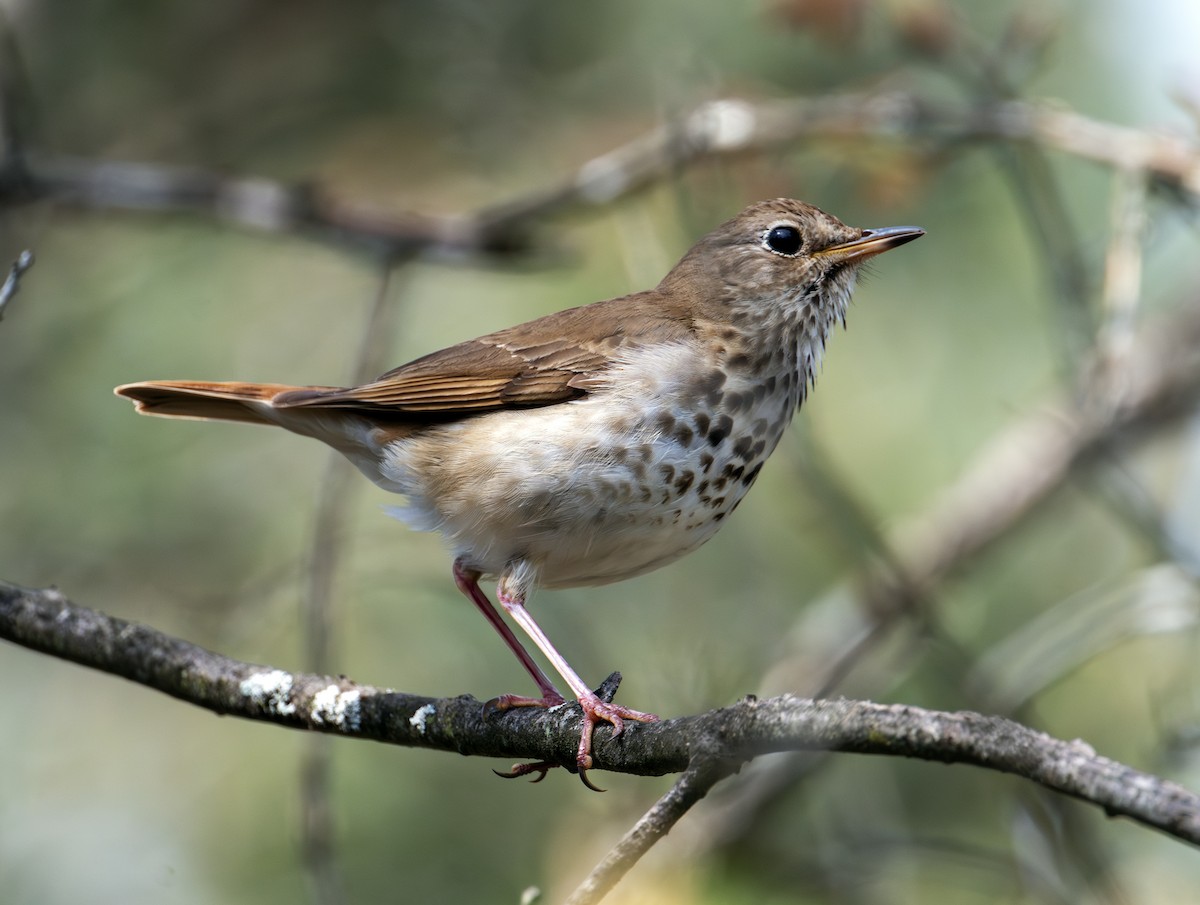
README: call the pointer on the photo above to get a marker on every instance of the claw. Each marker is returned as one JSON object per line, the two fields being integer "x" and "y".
{"x": 587, "y": 782}
{"x": 540, "y": 767}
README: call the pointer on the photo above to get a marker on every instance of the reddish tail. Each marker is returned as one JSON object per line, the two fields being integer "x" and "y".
{"x": 204, "y": 400}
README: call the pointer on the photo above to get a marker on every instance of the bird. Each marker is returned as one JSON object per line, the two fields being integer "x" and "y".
{"x": 593, "y": 444}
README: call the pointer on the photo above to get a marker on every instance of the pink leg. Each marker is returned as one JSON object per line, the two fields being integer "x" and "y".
{"x": 594, "y": 709}
{"x": 468, "y": 582}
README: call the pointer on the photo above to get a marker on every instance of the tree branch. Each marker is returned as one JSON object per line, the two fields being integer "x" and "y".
{"x": 46, "y": 621}
{"x": 12, "y": 282}
{"x": 327, "y": 550}
{"x": 727, "y": 128}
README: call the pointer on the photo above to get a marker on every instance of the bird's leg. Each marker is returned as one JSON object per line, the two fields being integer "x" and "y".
{"x": 468, "y": 582}
{"x": 594, "y": 708}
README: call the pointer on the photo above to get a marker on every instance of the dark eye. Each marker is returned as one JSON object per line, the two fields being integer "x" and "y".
{"x": 784, "y": 240}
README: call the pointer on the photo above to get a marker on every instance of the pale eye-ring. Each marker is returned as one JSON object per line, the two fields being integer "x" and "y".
{"x": 783, "y": 240}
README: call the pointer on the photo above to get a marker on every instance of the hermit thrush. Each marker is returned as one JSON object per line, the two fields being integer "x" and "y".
{"x": 597, "y": 443}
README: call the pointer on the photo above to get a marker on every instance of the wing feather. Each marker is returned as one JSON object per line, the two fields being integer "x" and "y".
{"x": 554, "y": 359}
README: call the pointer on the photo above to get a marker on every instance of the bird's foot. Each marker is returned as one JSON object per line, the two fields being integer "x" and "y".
{"x": 503, "y": 702}
{"x": 597, "y": 708}
{"x": 541, "y": 768}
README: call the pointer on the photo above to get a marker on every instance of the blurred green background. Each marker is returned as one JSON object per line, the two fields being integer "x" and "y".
{"x": 113, "y": 793}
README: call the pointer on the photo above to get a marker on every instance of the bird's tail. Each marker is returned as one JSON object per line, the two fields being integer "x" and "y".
{"x": 205, "y": 400}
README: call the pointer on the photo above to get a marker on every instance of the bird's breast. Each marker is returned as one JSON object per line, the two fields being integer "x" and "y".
{"x": 629, "y": 478}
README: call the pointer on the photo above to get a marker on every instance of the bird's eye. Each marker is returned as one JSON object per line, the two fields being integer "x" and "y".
{"x": 784, "y": 240}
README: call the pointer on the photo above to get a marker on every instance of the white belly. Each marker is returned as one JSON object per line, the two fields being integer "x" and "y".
{"x": 589, "y": 491}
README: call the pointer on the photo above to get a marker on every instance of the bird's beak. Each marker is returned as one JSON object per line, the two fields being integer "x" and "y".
{"x": 870, "y": 243}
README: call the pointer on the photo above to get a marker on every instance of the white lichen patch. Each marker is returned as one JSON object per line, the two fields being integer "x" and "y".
{"x": 417, "y": 720}
{"x": 333, "y": 707}
{"x": 272, "y": 688}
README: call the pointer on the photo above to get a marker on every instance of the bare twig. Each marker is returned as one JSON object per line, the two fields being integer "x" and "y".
{"x": 1040, "y": 197}
{"x": 12, "y": 282}
{"x": 1016, "y": 471}
{"x": 1105, "y": 377}
{"x": 46, "y": 621}
{"x": 1024, "y": 464}
{"x": 337, "y": 491}
{"x": 719, "y": 129}
{"x": 246, "y": 201}
{"x": 696, "y": 782}
{"x": 732, "y": 127}
{"x": 994, "y": 72}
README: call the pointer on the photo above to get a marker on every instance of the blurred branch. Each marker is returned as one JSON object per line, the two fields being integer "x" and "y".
{"x": 12, "y": 282}
{"x": 696, "y": 782}
{"x": 992, "y": 72}
{"x": 732, "y": 127}
{"x": 246, "y": 201}
{"x": 1122, "y": 278}
{"x": 1017, "y": 470}
{"x": 723, "y": 128}
{"x": 335, "y": 497}
{"x": 1040, "y": 198}
{"x": 1024, "y": 464}
{"x": 1008, "y": 479}
{"x": 44, "y": 620}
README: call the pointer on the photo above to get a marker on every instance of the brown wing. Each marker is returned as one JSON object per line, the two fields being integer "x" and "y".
{"x": 553, "y": 359}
